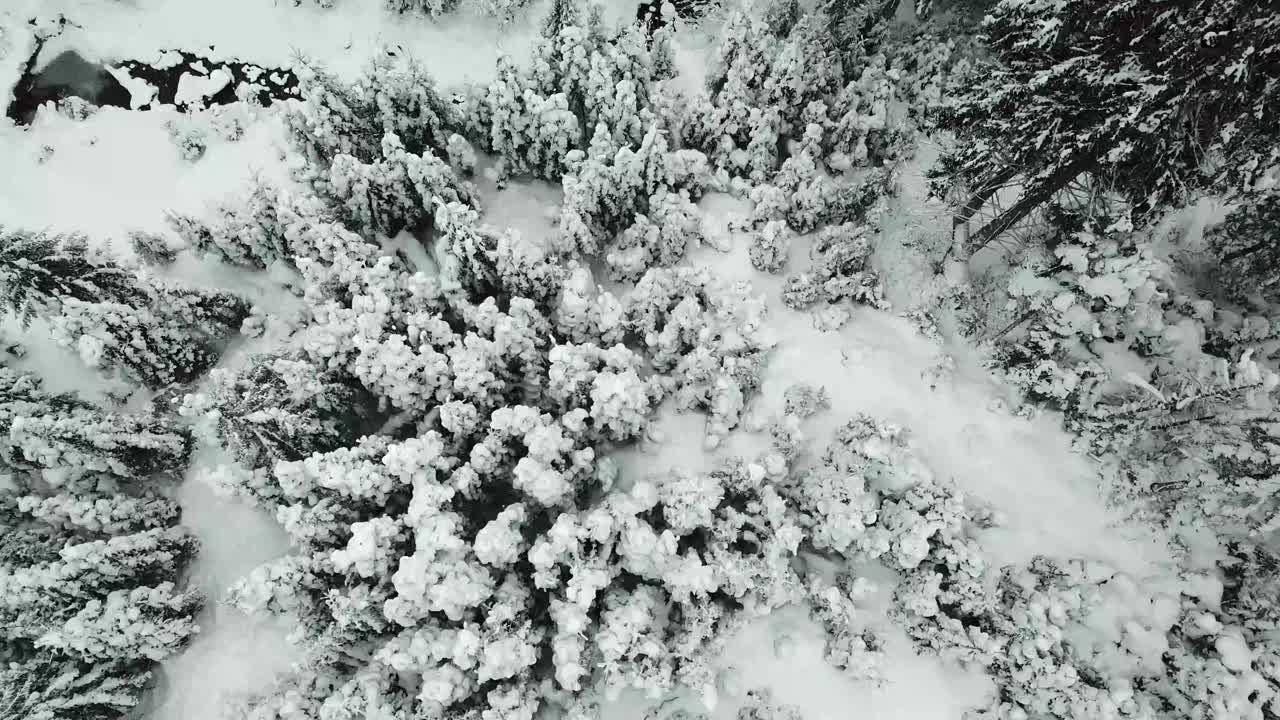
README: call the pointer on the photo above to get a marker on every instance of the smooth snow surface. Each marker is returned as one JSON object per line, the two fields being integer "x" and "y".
{"x": 234, "y": 653}
{"x": 120, "y": 170}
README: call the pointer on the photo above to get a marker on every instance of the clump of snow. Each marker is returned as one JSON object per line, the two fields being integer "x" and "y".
{"x": 194, "y": 89}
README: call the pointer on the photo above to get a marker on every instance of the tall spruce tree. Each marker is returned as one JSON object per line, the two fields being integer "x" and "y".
{"x": 1151, "y": 100}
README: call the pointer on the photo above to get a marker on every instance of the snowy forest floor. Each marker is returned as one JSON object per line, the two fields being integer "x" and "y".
{"x": 119, "y": 171}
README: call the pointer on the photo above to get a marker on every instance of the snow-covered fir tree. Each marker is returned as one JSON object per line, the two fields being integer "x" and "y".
{"x": 56, "y": 432}
{"x": 38, "y": 271}
{"x": 1088, "y": 88}
{"x": 88, "y": 601}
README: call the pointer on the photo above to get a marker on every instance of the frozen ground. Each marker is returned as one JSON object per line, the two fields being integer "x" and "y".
{"x": 119, "y": 171}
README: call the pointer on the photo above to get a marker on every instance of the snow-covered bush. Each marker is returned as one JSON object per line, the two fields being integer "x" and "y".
{"x": 152, "y": 248}
{"x": 76, "y": 108}
{"x": 190, "y": 135}
{"x": 840, "y": 269}
{"x": 769, "y": 247}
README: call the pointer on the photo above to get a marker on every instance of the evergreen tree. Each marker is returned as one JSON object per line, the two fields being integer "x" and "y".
{"x": 1151, "y": 101}
{"x": 51, "y": 688}
{"x": 99, "y": 514}
{"x": 394, "y": 94}
{"x": 280, "y": 408}
{"x": 169, "y": 335}
{"x": 83, "y": 621}
{"x": 245, "y": 232}
{"x": 48, "y": 431}
{"x": 38, "y": 271}
{"x": 397, "y": 192}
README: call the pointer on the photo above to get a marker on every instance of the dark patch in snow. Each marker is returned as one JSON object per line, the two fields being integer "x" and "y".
{"x": 70, "y": 75}
{"x": 649, "y": 13}
{"x": 284, "y": 83}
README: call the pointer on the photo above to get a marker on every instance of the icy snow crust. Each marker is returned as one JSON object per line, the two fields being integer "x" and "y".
{"x": 118, "y": 171}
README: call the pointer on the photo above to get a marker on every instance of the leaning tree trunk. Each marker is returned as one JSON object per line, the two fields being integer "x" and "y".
{"x": 1032, "y": 198}
{"x": 960, "y": 219}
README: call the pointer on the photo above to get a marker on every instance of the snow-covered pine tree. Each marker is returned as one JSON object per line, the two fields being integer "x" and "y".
{"x": 611, "y": 188}
{"x": 394, "y": 94}
{"x": 400, "y": 191}
{"x": 581, "y": 76}
{"x": 99, "y": 513}
{"x": 87, "y": 603}
{"x": 1091, "y": 88}
{"x": 39, "y": 270}
{"x": 51, "y": 688}
{"x": 152, "y": 248}
{"x": 169, "y": 334}
{"x": 279, "y": 408}
{"x": 48, "y": 431}
{"x": 1247, "y": 246}
{"x": 244, "y": 231}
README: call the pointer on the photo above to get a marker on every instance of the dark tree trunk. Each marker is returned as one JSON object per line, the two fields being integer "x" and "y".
{"x": 978, "y": 199}
{"x": 1031, "y": 199}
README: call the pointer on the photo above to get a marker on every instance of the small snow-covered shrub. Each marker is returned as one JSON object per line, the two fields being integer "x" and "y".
{"x": 76, "y": 108}
{"x": 840, "y": 269}
{"x": 769, "y": 246}
{"x": 152, "y": 249}
{"x": 227, "y": 122}
{"x": 190, "y": 135}
{"x": 805, "y": 399}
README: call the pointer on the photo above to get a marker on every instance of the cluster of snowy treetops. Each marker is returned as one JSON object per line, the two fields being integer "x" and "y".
{"x": 435, "y": 426}
{"x": 91, "y": 553}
